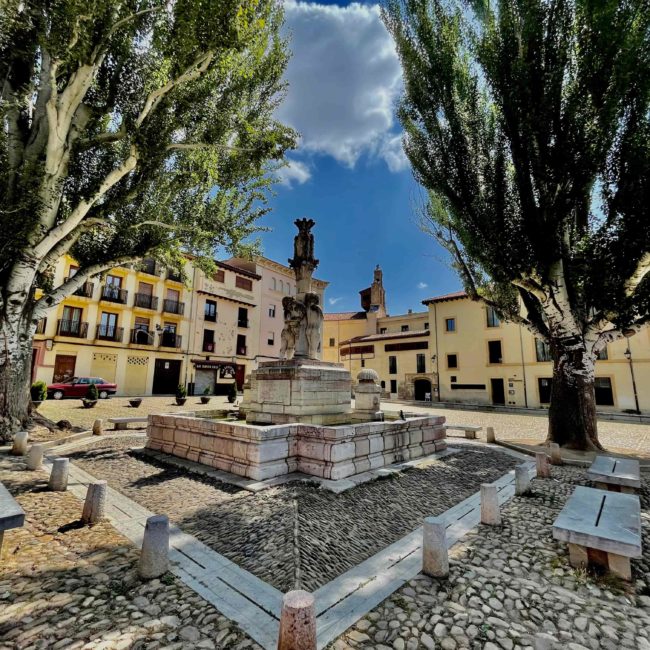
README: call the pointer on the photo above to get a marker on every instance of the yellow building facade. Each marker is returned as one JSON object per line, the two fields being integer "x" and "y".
{"x": 460, "y": 351}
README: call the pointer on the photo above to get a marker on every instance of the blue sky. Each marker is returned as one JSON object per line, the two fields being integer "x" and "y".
{"x": 349, "y": 173}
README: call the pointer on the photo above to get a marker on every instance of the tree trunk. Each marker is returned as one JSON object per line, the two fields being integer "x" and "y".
{"x": 572, "y": 414}
{"x": 15, "y": 374}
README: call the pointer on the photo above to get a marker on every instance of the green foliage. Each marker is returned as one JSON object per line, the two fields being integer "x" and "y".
{"x": 188, "y": 89}
{"x": 39, "y": 391}
{"x": 181, "y": 391}
{"x": 92, "y": 393}
{"x": 207, "y": 390}
{"x": 528, "y": 124}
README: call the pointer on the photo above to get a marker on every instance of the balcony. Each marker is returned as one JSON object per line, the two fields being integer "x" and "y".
{"x": 174, "y": 276}
{"x": 141, "y": 336}
{"x": 170, "y": 340}
{"x": 114, "y": 294}
{"x": 41, "y": 325}
{"x": 145, "y": 301}
{"x": 241, "y": 350}
{"x": 73, "y": 328}
{"x": 208, "y": 347}
{"x": 173, "y": 307}
{"x": 109, "y": 333}
{"x": 150, "y": 267}
{"x": 242, "y": 322}
{"x": 210, "y": 317}
{"x": 86, "y": 290}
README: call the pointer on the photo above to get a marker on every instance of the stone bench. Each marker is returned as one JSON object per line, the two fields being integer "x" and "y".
{"x": 601, "y": 528}
{"x": 122, "y": 423}
{"x": 615, "y": 474}
{"x": 11, "y": 514}
{"x": 470, "y": 431}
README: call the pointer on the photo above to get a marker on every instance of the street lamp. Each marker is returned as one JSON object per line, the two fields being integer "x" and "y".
{"x": 628, "y": 356}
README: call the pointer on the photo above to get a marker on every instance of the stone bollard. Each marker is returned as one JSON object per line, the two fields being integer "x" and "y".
{"x": 490, "y": 513}
{"x": 543, "y": 469}
{"x": 556, "y": 454}
{"x": 489, "y": 434}
{"x": 435, "y": 558}
{"x": 59, "y": 476}
{"x": 154, "y": 557}
{"x": 95, "y": 503}
{"x": 297, "y": 621}
{"x": 98, "y": 427}
{"x": 19, "y": 448}
{"x": 35, "y": 457}
{"x": 522, "y": 480}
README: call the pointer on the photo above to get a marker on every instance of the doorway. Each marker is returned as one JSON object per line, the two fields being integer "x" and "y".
{"x": 63, "y": 367}
{"x": 498, "y": 391}
{"x": 422, "y": 390}
{"x": 166, "y": 376}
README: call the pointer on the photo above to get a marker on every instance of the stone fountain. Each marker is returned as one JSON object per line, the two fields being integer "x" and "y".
{"x": 299, "y": 416}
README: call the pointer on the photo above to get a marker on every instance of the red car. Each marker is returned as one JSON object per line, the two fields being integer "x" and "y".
{"x": 78, "y": 387}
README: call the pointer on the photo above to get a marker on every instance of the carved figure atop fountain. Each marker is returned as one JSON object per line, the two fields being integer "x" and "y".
{"x": 303, "y": 316}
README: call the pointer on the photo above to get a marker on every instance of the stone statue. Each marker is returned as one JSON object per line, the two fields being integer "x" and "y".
{"x": 303, "y": 244}
{"x": 314, "y": 324}
{"x": 294, "y": 315}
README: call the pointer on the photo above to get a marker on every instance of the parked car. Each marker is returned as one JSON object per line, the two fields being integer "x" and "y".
{"x": 78, "y": 387}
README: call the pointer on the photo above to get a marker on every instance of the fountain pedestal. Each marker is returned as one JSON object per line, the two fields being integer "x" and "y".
{"x": 299, "y": 390}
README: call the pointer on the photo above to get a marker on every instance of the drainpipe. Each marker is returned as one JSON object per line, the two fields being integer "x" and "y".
{"x": 191, "y": 333}
{"x": 523, "y": 366}
{"x": 435, "y": 324}
{"x": 628, "y": 356}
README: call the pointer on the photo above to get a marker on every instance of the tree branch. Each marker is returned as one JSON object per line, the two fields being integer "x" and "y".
{"x": 642, "y": 269}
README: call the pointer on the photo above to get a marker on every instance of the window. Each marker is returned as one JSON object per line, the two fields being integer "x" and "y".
{"x": 271, "y": 311}
{"x": 494, "y": 351}
{"x": 210, "y": 313}
{"x": 220, "y": 276}
{"x": 363, "y": 363}
{"x": 243, "y": 283}
{"x": 242, "y": 317}
{"x": 208, "y": 340}
{"x": 452, "y": 361}
{"x": 604, "y": 392}
{"x": 393, "y": 385}
{"x": 332, "y": 343}
{"x": 392, "y": 366}
{"x": 426, "y": 326}
{"x": 382, "y": 330}
{"x": 383, "y": 384}
{"x": 274, "y": 284}
{"x": 281, "y": 287}
{"x": 450, "y": 324}
{"x": 420, "y": 363}
{"x": 113, "y": 281}
{"x": 107, "y": 326}
{"x": 453, "y": 379}
{"x": 241, "y": 344}
{"x": 602, "y": 355}
{"x": 492, "y": 318}
{"x": 543, "y": 350}
{"x": 544, "y": 387}
{"x": 405, "y": 328}
{"x": 270, "y": 339}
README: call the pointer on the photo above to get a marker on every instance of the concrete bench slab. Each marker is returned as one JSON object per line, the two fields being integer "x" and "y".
{"x": 601, "y": 527}
{"x": 469, "y": 430}
{"x": 11, "y": 514}
{"x": 615, "y": 474}
{"x": 122, "y": 423}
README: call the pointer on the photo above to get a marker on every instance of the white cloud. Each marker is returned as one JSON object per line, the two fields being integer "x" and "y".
{"x": 295, "y": 172}
{"x": 422, "y": 285}
{"x": 344, "y": 77}
{"x": 333, "y": 301}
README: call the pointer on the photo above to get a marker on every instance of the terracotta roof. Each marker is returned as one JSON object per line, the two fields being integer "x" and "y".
{"x": 456, "y": 295}
{"x": 346, "y": 315}
{"x": 388, "y": 335}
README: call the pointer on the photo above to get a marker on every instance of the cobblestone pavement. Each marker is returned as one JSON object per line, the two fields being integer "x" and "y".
{"x": 633, "y": 438}
{"x": 63, "y": 586}
{"x": 512, "y": 588}
{"x": 119, "y": 407}
{"x": 295, "y": 534}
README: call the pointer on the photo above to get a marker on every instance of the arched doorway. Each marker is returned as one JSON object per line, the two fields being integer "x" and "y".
{"x": 421, "y": 389}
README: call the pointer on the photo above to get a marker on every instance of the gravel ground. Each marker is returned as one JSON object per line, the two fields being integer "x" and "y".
{"x": 295, "y": 534}
{"x": 70, "y": 587}
{"x": 511, "y": 587}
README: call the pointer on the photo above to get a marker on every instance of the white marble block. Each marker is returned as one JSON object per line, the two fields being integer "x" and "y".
{"x": 19, "y": 447}
{"x": 35, "y": 457}
{"x": 95, "y": 504}
{"x": 59, "y": 476}
{"x": 522, "y": 480}
{"x": 556, "y": 454}
{"x": 297, "y": 621}
{"x": 435, "y": 559}
{"x": 490, "y": 436}
{"x": 543, "y": 468}
{"x": 154, "y": 557}
{"x": 490, "y": 512}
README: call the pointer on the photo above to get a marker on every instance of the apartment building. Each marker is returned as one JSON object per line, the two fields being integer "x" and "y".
{"x": 460, "y": 351}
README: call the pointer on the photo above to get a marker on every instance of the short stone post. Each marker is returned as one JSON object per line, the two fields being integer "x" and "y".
{"x": 35, "y": 457}
{"x": 59, "y": 476}
{"x": 490, "y": 513}
{"x": 98, "y": 427}
{"x": 489, "y": 434}
{"x": 556, "y": 454}
{"x": 297, "y": 621}
{"x": 541, "y": 461}
{"x": 522, "y": 480}
{"x": 95, "y": 503}
{"x": 154, "y": 557}
{"x": 435, "y": 558}
{"x": 19, "y": 448}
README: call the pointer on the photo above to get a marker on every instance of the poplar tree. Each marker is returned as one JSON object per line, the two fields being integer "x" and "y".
{"x": 527, "y": 121}
{"x": 130, "y": 129}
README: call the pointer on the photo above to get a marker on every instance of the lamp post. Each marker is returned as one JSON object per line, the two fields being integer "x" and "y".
{"x": 628, "y": 356}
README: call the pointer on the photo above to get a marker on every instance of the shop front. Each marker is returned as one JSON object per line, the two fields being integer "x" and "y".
{"x": 217, "y": 376}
